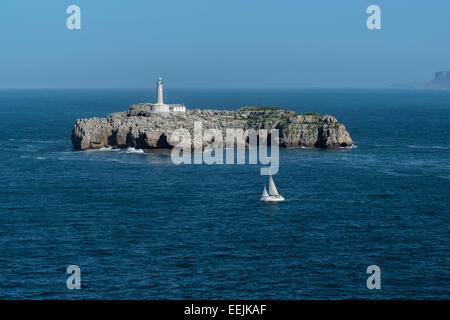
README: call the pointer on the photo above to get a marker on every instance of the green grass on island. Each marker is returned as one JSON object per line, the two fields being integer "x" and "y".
{"x": 263, "y": 108}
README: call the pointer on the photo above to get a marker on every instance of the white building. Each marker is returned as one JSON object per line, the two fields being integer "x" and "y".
{"x": 177, "y": 108}
{"x": 160, "y": 106}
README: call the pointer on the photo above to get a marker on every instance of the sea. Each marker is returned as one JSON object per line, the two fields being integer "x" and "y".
{"x": 140, "y": 227}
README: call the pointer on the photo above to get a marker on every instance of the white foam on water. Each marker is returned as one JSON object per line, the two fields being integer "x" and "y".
{"x": 109, "y": 149}
{"x": 354, "y": 146}
{"x": 133, "y": 150}
{"x": 104, "y": 149}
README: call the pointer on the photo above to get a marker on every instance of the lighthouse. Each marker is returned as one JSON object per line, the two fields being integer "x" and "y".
{"x": 160, "y": 106}
{"x": 159, "y": 91}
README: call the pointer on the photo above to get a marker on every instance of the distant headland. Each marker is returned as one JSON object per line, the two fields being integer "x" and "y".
{"x": 441, "y": 81}
{"x": 150, "y": 126}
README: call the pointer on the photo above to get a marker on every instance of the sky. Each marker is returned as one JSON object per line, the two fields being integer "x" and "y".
{"x": 228, "y": 43}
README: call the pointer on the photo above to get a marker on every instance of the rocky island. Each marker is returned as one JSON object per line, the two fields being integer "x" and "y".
{"x": 149, "y": 126}
{"x": 141, "y": 128}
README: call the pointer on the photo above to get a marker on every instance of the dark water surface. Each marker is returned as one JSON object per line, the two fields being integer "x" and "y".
{"x": 140, "y": 227}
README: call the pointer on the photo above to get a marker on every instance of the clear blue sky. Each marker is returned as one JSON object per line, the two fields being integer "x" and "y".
{"x": 227, "y": 43}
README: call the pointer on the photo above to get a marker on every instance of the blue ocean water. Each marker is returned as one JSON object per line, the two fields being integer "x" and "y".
{"x": 140, "y": 227}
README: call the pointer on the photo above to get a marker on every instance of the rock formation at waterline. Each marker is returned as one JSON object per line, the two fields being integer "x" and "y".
{"x": 140, "y": 128}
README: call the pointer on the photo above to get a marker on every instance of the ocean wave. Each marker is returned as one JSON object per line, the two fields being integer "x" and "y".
{"x": 133, "y": 150}
{"x": 427, "y": 147}
{"x": 354, "y": 146}
{"x": 393, "y": 172}
{"x": 104, "y": 149}
{"x": 109, "y": 149}
{"x": 384, "y": 145}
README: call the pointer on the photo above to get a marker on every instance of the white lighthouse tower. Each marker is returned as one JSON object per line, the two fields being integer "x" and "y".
{"x": 159, "y": 91}
{"x": 160, "y": 106}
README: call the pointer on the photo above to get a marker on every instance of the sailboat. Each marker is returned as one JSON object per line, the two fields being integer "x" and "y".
{"x": 273, "y": 194}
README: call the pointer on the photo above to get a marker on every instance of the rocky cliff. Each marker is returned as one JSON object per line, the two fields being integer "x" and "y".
{"x": 441, "y": 81}
{"x": 139, "y": 128}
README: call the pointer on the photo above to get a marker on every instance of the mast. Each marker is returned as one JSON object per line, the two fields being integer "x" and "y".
{"x": 272, "y": 189}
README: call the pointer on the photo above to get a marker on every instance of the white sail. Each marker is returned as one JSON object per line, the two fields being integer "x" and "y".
{"x": 265, "y": 194}
{"x": 272, "y": 189}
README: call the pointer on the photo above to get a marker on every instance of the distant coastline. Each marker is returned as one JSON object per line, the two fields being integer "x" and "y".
{"x": 441, "y": 81}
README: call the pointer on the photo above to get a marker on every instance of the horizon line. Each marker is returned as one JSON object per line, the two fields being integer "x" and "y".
{"x": 212, "y": 87}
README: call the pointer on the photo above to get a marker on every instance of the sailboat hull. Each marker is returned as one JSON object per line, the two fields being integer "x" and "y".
{"x": 272, "y": 198}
